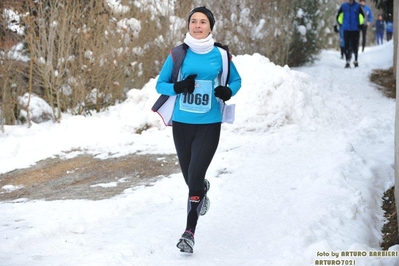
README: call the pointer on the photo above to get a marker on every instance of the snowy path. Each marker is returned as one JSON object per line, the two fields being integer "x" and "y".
{"x": 301, "y": 174}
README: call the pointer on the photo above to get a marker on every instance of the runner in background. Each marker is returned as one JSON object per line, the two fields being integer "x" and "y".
{"x": 368, "y": 19}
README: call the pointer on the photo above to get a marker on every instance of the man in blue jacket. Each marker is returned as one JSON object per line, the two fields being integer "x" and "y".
{"x": 368, "y": 19}
{"x": 351, "y": 18}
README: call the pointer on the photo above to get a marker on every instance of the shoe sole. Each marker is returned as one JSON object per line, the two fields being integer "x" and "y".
{"x": 207, "y": 203}
{"x": 205, "y": 206}
{"x": 185, "y": 245}
{"x": 208, "y": 185}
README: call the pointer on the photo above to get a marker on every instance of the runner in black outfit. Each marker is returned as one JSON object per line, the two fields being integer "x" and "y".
{"x": 200, "y": 94}
{"x": 351, "y": 18}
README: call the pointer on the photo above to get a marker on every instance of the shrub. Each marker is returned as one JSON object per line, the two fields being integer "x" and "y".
{"x": 85, "y": 54}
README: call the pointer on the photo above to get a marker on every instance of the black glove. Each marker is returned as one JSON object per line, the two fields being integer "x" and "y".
{"x": 336, "y": 28}
{"x": 186, "y": 85}
{"x": 223, "y": 93}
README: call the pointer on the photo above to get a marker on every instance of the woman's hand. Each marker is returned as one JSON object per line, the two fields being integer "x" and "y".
{"x": 186, "y": 85}
{"x": 223, "y": 93}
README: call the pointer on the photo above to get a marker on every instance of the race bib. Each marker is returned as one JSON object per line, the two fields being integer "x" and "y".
{"x": 200, "y": 100}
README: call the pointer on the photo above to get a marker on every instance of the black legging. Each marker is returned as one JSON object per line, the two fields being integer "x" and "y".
{"x": 351, "y": 43}
{"x": 195, "y": 146}
{"x": 389, "y": 36}
{"x": 364, "y": 36}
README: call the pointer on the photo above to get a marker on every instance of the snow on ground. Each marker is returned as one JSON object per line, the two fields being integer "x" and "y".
{"x": 297, "y": 178}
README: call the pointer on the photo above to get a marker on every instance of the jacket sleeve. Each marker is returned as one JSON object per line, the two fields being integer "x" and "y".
{"x": 370, "y": 15}
{"x": 234, "y": 82}
{"x": 164, "y": 83}
{"x": 340, "y": 16}
{"x": 363, "y": 13}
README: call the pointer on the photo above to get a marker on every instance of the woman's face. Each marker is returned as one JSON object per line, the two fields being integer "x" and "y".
{"x": 199, "y": 26}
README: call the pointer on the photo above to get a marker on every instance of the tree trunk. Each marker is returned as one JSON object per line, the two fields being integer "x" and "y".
{"x": 395, "y": 38}
{"x": 396, "y": 62}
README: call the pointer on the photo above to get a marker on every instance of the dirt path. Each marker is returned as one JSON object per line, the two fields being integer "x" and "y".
{"x": 85, "y": 177}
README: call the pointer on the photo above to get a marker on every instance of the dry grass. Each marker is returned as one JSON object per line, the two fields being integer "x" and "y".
{"x": 386, "y": 82}
{"x": 57, "y": 179}
{"x": 86, "y": 55}
{"x": 390, "y": 229}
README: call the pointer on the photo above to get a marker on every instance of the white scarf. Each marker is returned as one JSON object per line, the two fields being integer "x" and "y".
{"x": 200, "y": 46}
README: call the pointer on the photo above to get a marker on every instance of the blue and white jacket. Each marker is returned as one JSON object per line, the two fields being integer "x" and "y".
{"x": 389, "y": 26}
{"x": 351, "y": 16}
{"x": 208, "y": 68}
{"x": 368, "y": 14}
